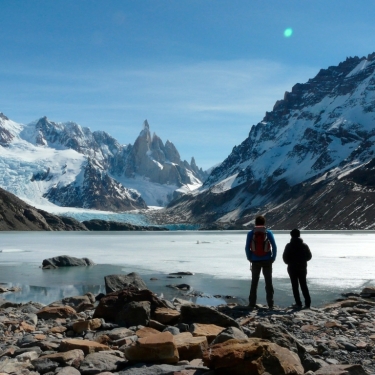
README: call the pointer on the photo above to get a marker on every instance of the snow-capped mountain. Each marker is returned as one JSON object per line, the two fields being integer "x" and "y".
{"x": 64, "y": 164}
{"x": 318, "y": 139}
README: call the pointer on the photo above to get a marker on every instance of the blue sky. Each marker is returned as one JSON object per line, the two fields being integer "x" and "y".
{"x": 202, "y": 72}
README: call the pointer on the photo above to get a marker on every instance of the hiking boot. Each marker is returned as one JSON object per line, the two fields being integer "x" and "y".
{"x": 251, "y": 307}
{"x": 296, "y": 306}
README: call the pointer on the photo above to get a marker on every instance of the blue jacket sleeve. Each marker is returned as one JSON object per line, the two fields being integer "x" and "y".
{"x": 247, "y": 246}
{"x": 273, "y": 244}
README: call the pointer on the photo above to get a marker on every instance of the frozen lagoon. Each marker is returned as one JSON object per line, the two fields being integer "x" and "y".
{"x": 342, "y": 261}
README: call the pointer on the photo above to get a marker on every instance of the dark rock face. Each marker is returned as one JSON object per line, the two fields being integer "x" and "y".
{"x": 159, "y": 162}
{"x": 103, "y": 225}
{"x": 67, "y": 261}
{"x": 316, "y": 145}
{"x": 17, "y": 215}
{"x": 98, "y": 191}
{"x": 111, "y": 306}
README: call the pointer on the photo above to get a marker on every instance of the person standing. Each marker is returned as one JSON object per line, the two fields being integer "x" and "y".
{"x": 296, "y": 255}
{"x": 261, "y": 252}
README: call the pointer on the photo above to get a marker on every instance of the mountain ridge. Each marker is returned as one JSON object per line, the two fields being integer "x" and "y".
{"x": 312, "y": 142}
{"x": 65, "y": 164}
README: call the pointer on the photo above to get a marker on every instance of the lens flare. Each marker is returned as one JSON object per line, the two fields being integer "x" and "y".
{"x": 288, "y": 32}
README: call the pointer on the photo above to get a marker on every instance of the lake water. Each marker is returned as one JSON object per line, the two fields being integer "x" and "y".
{"x": 342, "y": 261}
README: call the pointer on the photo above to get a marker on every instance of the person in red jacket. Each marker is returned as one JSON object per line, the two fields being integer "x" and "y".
{"x": 261, "y": 251}
{"x": 296, "y": 255}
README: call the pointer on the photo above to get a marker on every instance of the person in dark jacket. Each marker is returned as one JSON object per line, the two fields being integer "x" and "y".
{"x": 260, "y": 263}
{"x": 296, "y": 255}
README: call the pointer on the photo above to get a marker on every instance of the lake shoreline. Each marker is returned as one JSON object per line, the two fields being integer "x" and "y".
{"x": 86, "y": 335}
{"x": 205, "y": 289}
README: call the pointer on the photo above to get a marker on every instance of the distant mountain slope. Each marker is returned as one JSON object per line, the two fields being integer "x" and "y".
{"x": 315, "y": 143}
{"x": 64, "y": 164}
{"x": 17, "y": 215}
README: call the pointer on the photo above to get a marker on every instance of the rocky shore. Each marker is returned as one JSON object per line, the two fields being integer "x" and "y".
{"x": 132, "y": 331}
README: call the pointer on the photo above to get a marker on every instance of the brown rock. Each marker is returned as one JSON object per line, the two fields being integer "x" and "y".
{"x": 48, "y": 312}
{"x": 146, "y": 331}
{"x": 154, "y": 348}
{"x": 40, "y": 336}
{"x": 332, "y": 324}
{"x": 309, "y": 328}
{"x": 27, "y": 327}
{"x": 86, "y": 346}
{"x": 87, "y": 325}
{"x": 58, "y": 329}
{"x": 252, "y": 356}
{"x": 165, "y": 315}
{"x": 361, "y": 345}
{"x": 190, "y": 347}
{"x": 208, "y": 330}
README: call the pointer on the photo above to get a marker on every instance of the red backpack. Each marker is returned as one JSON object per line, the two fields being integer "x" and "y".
{"x": 260, "y": 244}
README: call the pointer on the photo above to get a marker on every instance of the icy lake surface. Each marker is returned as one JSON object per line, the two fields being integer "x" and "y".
{"x": 342, "y": 261}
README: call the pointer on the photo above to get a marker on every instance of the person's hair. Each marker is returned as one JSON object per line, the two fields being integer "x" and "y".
{"x": 260, "y": 220}
{"x": 295, "y": 233}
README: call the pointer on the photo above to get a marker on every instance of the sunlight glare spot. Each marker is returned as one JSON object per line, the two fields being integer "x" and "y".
{"x": 288, "y": 32}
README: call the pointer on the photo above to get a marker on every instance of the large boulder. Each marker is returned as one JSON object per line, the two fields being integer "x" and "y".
{"x": 190, "y": 347}
{"x": 112, "y": 306}
{"x": 66, "y": 261}
{"x": 252, "y": 356}
{"x": 158, "y": 348}
{"x": 134, "y": 314}
{"x": 54, "y": 312}
{"x": 114, "y": 283}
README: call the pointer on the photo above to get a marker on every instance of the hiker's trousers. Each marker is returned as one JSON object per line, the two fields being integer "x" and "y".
{"x": 298, "y": 278}
{"x": 266, "y": 268}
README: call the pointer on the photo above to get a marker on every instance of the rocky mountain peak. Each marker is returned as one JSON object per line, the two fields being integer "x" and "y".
{"x": 3, "y": 117}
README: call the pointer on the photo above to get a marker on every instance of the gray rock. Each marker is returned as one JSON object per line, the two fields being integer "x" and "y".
{"x": 29, "y": 349}
{"x": 116, "y": 333}
{"x": 173, "y": 330}
{"x": 229, "y": 334}
{"x": 349, "y": 346}
{"x": 118, "y": 282}
{"x": 31, "y": 318}
{"x": 310, "y": 363}
{"x": 69, "y": 370}
{"x": 96, "y": 363}
{"x": 26, "y": 341}
{"x": 67, "y": 261}
{"x": 43, "y": 365}
{"x": 179, "y": 286}
{"x": 13, "y": 366}
{"x": 205, "y": 315}
{"x": 142, "y": 369}
{"x": 341, "y": 370}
